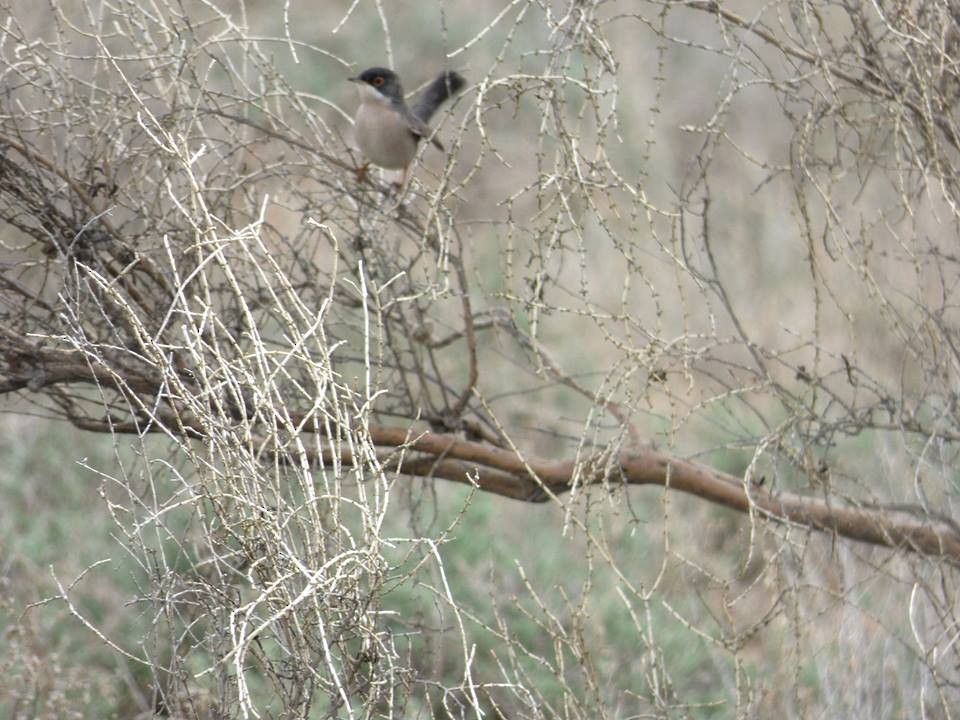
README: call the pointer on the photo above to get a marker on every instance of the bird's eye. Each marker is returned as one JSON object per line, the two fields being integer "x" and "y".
{"x": 377, "y": 81}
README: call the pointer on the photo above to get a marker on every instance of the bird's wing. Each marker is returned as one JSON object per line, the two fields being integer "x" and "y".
{"x": 420, "y": 130}
{"x": 443, "y": 86}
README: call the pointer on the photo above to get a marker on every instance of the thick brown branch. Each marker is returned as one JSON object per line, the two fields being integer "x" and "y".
{"x": 880, "y": 526}
{"x": 504, "y": 472}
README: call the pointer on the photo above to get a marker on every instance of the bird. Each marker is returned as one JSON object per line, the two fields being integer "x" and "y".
{"x": 388, "y": 131}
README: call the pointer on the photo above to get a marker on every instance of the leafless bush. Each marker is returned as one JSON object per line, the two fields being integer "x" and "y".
{"x": 666, "y": 239}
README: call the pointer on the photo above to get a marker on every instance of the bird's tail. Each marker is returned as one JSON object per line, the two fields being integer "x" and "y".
{"x": 446, "y": 84}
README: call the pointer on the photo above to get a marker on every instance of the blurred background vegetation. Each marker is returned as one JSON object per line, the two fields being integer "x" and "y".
{"x": 718, "y": 621}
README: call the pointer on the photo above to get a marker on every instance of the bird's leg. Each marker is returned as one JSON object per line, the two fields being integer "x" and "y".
{"x": 403, "y": 180}
{"x": 405, "y": 177}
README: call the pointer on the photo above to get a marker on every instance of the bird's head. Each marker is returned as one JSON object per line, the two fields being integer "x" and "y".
{"x": 379, "y": 85}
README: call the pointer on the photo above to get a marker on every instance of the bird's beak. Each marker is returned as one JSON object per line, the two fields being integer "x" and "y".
{"x": 353, "y": 79}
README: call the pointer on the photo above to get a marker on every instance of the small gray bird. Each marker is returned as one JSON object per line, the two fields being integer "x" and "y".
{"x": 386, "y": 130}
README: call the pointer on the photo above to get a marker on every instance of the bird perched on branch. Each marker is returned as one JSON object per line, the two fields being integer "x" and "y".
{"x": 386, "y": 130}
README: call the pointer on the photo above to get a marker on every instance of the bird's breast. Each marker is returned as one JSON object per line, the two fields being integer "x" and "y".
{"x": 384, "y": 136}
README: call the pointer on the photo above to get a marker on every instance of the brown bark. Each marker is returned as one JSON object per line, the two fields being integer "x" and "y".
{"x": 505, "y": 472}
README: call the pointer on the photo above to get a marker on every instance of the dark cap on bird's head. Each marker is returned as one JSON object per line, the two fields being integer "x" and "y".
{"x": 382, "y": 80}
